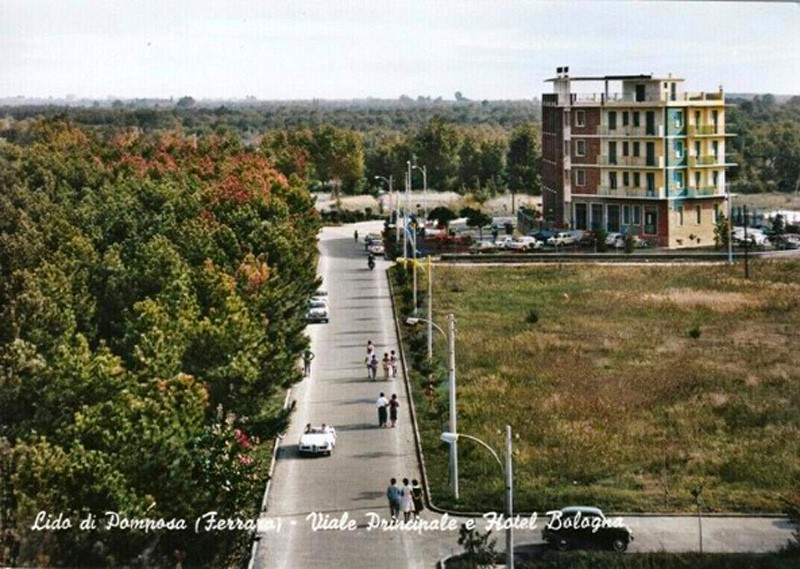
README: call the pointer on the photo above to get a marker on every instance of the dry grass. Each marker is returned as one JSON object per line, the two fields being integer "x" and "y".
{"x": 614, "y": 402}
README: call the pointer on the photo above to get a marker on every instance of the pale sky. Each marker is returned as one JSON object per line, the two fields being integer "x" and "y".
{"x": 345, "y": 49}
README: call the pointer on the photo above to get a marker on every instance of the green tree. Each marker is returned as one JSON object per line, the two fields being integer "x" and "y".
{"x": 476, "y": 218}
{"x": 442, "y": 215}
{"x": 524, "y": 157}
{"x": 436, "y": 146}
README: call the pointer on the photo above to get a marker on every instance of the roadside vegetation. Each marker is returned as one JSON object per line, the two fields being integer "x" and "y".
{"x": 152, "y": 294}
{"x": 627, "y": 388}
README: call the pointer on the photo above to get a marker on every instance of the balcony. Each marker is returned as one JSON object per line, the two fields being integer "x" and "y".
{"x": 697, "y": 192}
{"x": 630, "y": 192}
{"x": 700, "y": 161}
{"x": 631, "y": 161}
{"x": 703, "y": 130}
{"x": 630, "y": 131}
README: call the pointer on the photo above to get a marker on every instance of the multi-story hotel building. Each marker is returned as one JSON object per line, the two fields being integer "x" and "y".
{"x": 648, "y": 159}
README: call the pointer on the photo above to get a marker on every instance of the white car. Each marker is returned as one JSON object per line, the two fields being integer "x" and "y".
{"x": 562, "y": 238}
{"x": 503, "y": 242}
{"x": 317, "y": 310}
{"x": 376, "y": 248}
{"x": 524, "y": 243}
{"x": 616, "y": 240}
{"x": 317, "y": 440}
{"x": 483, "y": 247}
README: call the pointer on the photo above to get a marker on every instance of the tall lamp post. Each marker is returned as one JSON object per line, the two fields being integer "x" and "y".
{"x": 451, "y": 380}
{"x": 392, "y": 199}
{"x": 424, "y": 170}
{"x": 508, "y": 473}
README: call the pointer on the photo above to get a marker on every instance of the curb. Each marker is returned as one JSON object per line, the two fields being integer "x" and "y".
{"x": 275, "y": 446}
{"x": 410, "y": 399}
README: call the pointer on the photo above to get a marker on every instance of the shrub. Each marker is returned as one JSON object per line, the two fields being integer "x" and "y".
{"x": 532, "y": 317}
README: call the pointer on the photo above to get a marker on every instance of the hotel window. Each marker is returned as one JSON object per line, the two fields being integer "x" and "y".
{"x": 626, "y": 179}
{"x": 580, "y": 118}
{"x": 612, "y": 180}
{"x": 698, "y": 215}
{"x": 625, "y": 148}
{"x": 625, "y": 118}
{"x": 626, "y": 215}
{"x": 697, "y": 180}
{"x": 612, "y": 120}
{"x": 715, "y": 150}
{"x": 716, "y": 213}
{"x": 715, "y": 120}
{"x": 636, "y": 214}
{"x": 636, "y": 119}
{"x": 637, "y": 180}
{"x": 697, "y": 118}
{"x": 678, "y": 120}
{"x": 580, "y": 148}
{"x": 715, "y": 179}
{"x": 680, "y": 215}
{"x": 636, "y": 150}
{"x": 580, "y": 177}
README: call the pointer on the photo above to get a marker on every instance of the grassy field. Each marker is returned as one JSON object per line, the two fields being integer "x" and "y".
{"x": 626, "y": 386}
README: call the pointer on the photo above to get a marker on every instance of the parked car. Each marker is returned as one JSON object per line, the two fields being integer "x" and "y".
{"x": 542, "y": 234}
{"x": 562, "y": 239}
{"x": 524, "y": 243}
{"x": 786, "y": 241}
{"x": 754, "y": 236}
{"x": 616, "y": 240}
{"x": 504, "y": 242}
{"x": 482, "y": 247}
{"x": 317, "y": 310}
{"x": 317, "y": 440}
{"x": 585, "y": 527}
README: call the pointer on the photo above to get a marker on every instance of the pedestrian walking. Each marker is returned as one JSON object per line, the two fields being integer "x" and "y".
{"x": 382, "y": 405}
{"x": 406, "y": 500}
{"x": 355, "y": 235}
{"x": 308, "y": 355}
{"x": 393, "y": 361}
{"x": 416, "y": 497}
{"x": 394, "y": 405}
{"x": 370, "y": 347}
{"x": 393, "y": 495}
{"x": 373, "y": 366}
{"x": 387, "y": 366}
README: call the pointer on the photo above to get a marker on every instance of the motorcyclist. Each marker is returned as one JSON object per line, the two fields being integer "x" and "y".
{"x": 371, "y": 261}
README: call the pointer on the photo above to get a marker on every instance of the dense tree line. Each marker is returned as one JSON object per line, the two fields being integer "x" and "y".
{"x": 152, "y": 293}
{"x": 766, "y": 147}
{"x": 465, "y": 145}
{"x": 361, "y": 115}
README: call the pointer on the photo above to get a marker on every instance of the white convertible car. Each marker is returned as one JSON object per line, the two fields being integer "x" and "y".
{"x": 317, "y": 440}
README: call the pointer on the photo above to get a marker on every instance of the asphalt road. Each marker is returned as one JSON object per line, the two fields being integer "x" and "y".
{"x": 353, "y": 480}
{"x": 349, "y": 487}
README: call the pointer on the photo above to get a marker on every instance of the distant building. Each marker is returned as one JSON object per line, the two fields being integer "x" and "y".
{"x": 647, "y": 160}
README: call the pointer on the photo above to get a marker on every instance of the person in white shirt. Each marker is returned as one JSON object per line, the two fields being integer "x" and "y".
{"x": 382, "y": 405}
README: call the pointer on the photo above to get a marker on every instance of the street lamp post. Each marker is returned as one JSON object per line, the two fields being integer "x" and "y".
{"x": 451, "y": 438}
{"x": 392, "y": 199}
{"x": 451, "y": 380}
{"x": 424, "y": 170}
